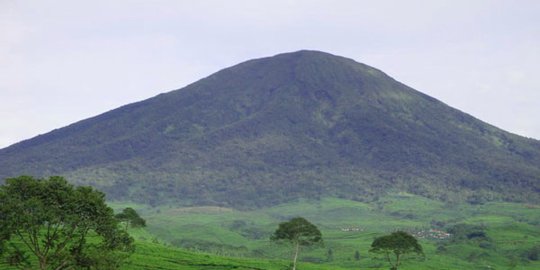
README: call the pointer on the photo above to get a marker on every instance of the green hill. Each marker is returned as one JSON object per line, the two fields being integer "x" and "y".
{"x": 499, "y": 235}
{"x": 297, "y": 125}
{"x": 491, "y": 236}
{"x": 157, "y": 256}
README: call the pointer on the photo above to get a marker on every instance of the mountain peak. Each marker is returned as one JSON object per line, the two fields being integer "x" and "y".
{"x": 310, "y": 54}
{"x": 316, "y": 70}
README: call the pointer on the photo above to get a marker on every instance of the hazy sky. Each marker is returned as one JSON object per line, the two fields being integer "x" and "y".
{"x": 63, "y": 61}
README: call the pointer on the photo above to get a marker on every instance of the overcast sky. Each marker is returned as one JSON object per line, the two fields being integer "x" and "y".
{"x": 64, "y": 61}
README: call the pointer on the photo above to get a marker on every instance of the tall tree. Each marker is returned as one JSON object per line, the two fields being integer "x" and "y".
{"x": 398, "y": 243}
{"x": 52, "y": 220}
{"x": 298, "y": 232}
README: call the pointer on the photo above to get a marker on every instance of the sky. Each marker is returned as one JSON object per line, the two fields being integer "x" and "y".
{"x": 64, "y": 61}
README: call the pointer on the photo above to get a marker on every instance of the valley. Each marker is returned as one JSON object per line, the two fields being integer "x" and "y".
{"x": 511, "y": 233}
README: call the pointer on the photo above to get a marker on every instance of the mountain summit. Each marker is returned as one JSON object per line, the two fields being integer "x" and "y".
{"x": 296, "y": 125}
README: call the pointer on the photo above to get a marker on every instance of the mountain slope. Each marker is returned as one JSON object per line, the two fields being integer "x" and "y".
{"x": 302, "y": 124}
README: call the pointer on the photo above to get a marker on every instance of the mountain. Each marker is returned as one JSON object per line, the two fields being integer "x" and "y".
{"x": 303, "y": 124}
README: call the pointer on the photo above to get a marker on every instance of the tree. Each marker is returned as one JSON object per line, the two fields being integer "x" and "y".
{"x": 298, "y": 232}
{"x": 131, "y": 217}
{"x": 52, "y": 221}
{"x": 399, "y": 243}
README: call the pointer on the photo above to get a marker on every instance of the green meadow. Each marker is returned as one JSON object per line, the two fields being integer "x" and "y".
{"x": 494, "y": 235}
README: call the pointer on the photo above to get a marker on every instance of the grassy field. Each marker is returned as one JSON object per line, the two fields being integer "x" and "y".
{"x": 158, "y": 256}
{"x": 210, "y": 237}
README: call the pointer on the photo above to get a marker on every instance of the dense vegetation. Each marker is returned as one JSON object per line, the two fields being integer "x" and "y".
{"x": 297, "y": 125}
{"x": 49, "y": 224}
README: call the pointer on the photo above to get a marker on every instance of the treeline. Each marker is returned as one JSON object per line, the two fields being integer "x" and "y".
{"x": 266, "y": 189}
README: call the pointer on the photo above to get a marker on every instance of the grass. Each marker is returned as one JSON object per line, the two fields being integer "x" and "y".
{"x": 157, "y": 256}
{"x": 221, "y": 234}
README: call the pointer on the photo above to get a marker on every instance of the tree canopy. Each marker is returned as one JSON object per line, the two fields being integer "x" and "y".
{"x": 61, "y": 226}
{"x": 298, "y": 232}
{"x": 131, "y": 217}
{"x": 398, "y": 243}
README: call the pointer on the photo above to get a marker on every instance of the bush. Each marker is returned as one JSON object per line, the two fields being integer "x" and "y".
{"x": 461, "y": 232}
{"x": 533, "y": 254}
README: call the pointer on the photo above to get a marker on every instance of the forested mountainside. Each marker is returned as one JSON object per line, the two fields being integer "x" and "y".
{"x": 305, "y": 124}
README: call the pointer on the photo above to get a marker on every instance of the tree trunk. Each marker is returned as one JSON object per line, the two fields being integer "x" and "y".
{"x": 397, "y": 260}
{"x": 43, "y": 263}
{"x": 392, "y": 267}
{"x": 295, "y": 255}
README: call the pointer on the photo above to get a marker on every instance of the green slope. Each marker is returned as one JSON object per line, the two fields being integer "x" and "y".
{"x": 150, "y": 254}
{"x": 298, "y": 125}
{"x": 158, "y": 256}
{"x": 511, "y": 231}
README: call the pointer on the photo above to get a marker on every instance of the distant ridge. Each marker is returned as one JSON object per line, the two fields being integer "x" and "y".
{"x": 306, "y": 124}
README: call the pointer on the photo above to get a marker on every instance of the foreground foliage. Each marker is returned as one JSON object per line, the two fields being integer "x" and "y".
{"x": 50, "y": 224}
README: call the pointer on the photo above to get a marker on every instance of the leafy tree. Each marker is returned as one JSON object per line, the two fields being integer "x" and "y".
{"x": 53, "y": 222}
{"x": 298, "y": 232}
{"x": 131, "y": 217}
{"x": 399, "y": 243}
